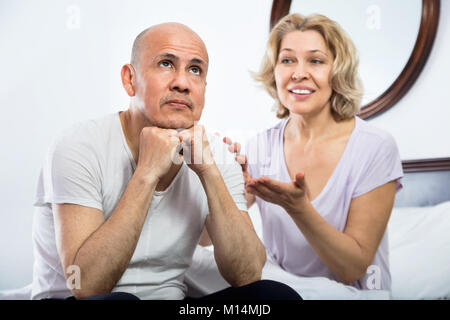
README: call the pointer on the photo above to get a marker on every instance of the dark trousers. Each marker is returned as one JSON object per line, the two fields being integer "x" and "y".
{"x": 259, "y": 290}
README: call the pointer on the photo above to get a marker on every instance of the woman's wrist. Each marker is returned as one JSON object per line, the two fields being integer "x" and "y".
{"x": 300, "y": 208}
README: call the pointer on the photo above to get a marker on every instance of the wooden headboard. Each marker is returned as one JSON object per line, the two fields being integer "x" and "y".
{"x": 438, "y": 164}
{"x": 426, "y": 182}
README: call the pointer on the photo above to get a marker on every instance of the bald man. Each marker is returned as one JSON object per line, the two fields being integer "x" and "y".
{"x": 123, "y": 200}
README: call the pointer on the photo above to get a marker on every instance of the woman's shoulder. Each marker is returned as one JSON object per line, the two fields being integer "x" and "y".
{"x": 373, "y": 148}
{"x": 375, "y": 159}
{"x": 279, "y": 125}
{"x": 262, "y": 147}
{"x": 267, "y": 137}
{"x": 372, "y": 136}
{"x": 273, "y": 132}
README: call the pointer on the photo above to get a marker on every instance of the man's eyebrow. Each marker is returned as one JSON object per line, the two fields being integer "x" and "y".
{"x": 168, "y": 56}
{"x": 198, "y": 61}
{"x": 173, "y": 57}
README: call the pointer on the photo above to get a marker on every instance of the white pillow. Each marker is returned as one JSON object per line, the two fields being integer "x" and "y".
{"x": 419, "y": 246}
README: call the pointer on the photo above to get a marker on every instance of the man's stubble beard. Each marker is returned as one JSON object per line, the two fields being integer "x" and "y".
{"x": 169, "y": 125}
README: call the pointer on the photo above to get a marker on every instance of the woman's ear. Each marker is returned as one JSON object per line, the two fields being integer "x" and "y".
{"x": 128, "y": 75}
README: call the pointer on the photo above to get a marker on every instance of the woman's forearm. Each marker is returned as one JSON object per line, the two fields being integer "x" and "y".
{"x": 341, "y": 253}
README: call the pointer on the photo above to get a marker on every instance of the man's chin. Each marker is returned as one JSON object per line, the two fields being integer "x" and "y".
{"x": 176, "y": 125}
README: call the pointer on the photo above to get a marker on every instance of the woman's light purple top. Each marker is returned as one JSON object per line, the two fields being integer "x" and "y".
{"x": 370, "y": 159}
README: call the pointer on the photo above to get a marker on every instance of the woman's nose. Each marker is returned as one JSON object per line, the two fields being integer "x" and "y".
{"x": 299, "y": 73}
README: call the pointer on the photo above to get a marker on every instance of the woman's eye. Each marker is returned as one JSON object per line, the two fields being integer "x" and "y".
{"x": 316, "y": 61}
{"x": 286, "y": 60}
{"x": 195, "y": 70}
{"x": 165, "y": 64}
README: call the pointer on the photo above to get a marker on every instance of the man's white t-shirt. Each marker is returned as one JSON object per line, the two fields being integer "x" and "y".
{"x": 90, "y": 165}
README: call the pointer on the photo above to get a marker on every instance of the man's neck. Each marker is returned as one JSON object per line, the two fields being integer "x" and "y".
{"x": 132, "y": 125}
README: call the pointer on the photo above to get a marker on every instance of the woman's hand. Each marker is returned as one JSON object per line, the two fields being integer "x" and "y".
{"x": 235, "y": 148}
{"x": 293, "y": 197}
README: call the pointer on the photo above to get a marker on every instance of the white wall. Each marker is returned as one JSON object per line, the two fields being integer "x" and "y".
{"x": 61, "y": 61}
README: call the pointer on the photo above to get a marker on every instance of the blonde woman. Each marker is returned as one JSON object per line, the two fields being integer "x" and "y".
{"x": 324, "y": 180}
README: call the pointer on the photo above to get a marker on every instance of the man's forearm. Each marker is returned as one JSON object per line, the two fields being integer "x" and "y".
{"x": 239, "y": 252}
{"x": 105, "y": 255}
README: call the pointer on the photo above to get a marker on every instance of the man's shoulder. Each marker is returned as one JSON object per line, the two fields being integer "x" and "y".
{"x": 87, "y": 132}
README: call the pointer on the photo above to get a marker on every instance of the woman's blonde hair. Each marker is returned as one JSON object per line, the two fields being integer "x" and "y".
{"x": 345, "y": 83}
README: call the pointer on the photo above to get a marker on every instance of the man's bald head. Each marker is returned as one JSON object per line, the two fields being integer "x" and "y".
{"x": 160, "y": 30}
{"x": 166, "y": 79}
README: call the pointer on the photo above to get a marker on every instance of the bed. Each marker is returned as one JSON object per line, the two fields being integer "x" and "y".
{"x": 419, "y": 245}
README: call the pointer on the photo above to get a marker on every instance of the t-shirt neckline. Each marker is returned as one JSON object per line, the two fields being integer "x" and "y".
{"x": 336, "y": 169}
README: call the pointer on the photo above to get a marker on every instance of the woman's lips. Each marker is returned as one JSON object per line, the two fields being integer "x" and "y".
{"x": 300, "y": 96}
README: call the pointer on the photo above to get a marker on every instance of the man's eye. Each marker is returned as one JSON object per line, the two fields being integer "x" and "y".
{"x": 165, "y": 64}
{"x": 195, "y": 70}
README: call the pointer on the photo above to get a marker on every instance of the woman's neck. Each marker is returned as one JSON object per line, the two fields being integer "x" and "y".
{"x": 315, "y": 128}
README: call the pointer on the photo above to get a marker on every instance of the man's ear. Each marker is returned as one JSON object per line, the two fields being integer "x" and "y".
{"x": 128, "y": 75}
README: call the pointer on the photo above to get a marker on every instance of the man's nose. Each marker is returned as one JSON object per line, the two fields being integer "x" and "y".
{"x": 180, "y": 82}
